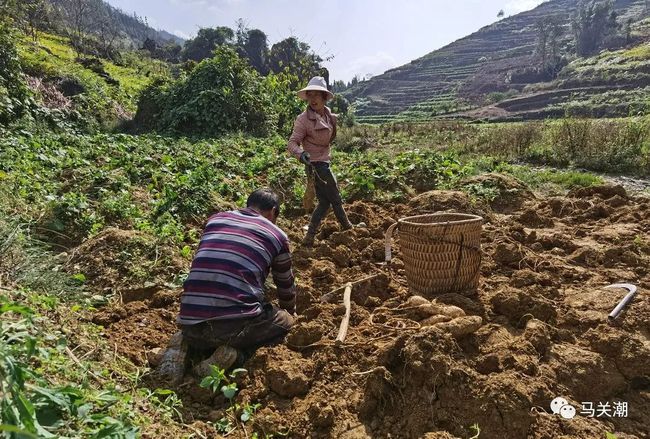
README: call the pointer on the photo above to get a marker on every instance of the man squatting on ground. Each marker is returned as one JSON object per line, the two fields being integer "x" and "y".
{"x": 223, "y": 306}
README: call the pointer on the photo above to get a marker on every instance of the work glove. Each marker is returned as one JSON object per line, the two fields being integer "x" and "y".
{"x": 305, "y": 158}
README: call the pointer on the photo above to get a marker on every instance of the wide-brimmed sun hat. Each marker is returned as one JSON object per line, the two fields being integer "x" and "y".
{"x": 316, "y": 83}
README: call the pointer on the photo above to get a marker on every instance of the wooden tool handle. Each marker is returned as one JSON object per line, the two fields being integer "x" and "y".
{"x": 388, "y": 238}
{"x": 343, "y": 329}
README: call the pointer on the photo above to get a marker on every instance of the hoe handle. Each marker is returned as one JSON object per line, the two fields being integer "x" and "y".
{"x": 623, "y": 303}
{"x": 388, "y": 239}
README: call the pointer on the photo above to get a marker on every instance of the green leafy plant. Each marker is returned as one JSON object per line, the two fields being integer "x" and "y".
{"x": 221, "y": 94}
{"x": 477, "y": 430}
{"x": 166, "y": 400}
{"x": 217, "y": 376}
{"x": 248, "y": 411}
{"x": 32, "y": 406}
{"x": 13, "y": 90}
{"x": 482, "y": 191}
{"x": 235, "y": 413}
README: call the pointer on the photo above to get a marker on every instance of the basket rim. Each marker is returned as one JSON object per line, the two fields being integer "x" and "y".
{"x": 469, "y": 218}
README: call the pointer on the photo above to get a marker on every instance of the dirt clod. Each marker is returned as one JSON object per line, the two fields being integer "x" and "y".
{"x": 461, "y": 326}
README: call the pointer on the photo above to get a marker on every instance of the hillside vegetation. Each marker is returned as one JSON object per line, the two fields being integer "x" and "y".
{"x": 494, "y": 64}
{"x": 96, "y": 93}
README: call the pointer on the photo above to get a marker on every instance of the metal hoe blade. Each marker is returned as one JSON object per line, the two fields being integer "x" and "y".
{"x": 623, "y": 303}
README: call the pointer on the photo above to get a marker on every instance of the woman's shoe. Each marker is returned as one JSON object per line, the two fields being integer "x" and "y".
{"x": 351, "y": 226}
{"x": 308, "y": 240}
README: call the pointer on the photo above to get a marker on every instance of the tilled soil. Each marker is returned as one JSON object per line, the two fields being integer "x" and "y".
{"x": 536, "y": 329}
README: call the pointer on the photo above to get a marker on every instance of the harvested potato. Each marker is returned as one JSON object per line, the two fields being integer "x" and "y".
{"x": 430, "y": 321}
{"x": 451, "y": 311}
{"x": 461, "y": 325}
{"x": 419, "y": 308}
{"x": 422, "y": 312}
{"x": 416, "y": 301}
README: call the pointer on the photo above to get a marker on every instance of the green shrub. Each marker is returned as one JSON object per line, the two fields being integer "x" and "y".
{"x": 222, "y": 94}
{"x": 13, "y": 91}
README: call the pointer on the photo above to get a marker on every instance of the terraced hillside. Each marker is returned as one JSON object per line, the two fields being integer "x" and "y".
{"x": 449, "y": 80}
{"x": 611, "y": 84}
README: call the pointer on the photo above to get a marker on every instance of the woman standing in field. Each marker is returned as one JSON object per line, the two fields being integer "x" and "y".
{"x": 313, "y": 131}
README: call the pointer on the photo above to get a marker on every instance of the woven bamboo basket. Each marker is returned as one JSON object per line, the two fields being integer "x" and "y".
{"x": 441, "y": 252}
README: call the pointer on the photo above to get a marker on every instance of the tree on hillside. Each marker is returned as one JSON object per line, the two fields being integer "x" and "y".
{"x": 222, "y": 94}
{"x": 169, "y": 51}
{"x": 107, "y": 31}
{"x": 241, "y": 32}
{"x": 256, "y": 49}
{"x": 628, "y": 31}
{"x": 206, "y": 41}
{"x": 253, "y": 45}
{"x": 296, "y": 57}
{"x": 501, "y": 14}
{"x": 592, "y": 23}
{"x": 338, "y": 86}
{"x": 34, "y": 15}
{"x": 76, "y": 14}
{"x": 549, "y": 31}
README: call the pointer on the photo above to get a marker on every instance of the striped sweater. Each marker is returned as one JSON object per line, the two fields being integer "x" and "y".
{"x": 226, "y": 280}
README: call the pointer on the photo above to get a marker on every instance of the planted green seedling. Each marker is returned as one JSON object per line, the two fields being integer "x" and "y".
{"x": 248, "y": 411}
{"x": 212, "y": 381}
{"x": 229, "y": 390}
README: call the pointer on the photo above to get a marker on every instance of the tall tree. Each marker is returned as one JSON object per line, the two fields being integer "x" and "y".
{"x": 338, "y": 86}
{"x": 207, "y": 39}
{"x": 34, "y": 16}
{"x": 171, "y": 52}
{"x": 296, "y": 57}
{"x": 554, "y": 38}
{"x": 108, "y": 32}
{"x": 549, "y": 32}
{"x": 542, "y": 39}
{"x": 256, "y": 49}
{"x": 241, "y": 32}
{"x": 592, "y": 22}
{"x": 77, "y": 14}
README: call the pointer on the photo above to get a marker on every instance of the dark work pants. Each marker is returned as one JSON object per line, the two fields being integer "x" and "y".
{"x": 327, "y": 193}
{"x": 248, "y": 334}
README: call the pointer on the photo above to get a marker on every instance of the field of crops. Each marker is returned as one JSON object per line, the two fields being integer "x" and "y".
{"x": 100, "y": 230}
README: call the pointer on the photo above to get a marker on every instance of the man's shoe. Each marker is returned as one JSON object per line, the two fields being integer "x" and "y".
{"x": 172, "y": 363}
{"x": 223, "y": 357}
